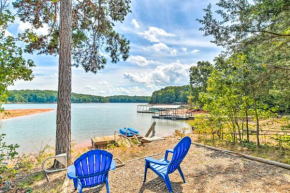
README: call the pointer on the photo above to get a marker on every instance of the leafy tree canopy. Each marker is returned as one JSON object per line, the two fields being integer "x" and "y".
{"x": 93, "y": 32}
{"x": 12, "y": 64}
{"x": 198, "y": 76}
{"x": 259, "y": 28}
{"x": 49, "y": 96}
{"x": 171, "y": 94}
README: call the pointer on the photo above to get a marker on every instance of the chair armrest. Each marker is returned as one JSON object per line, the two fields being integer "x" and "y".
{"x": 166, "y": 153}
{"x": 113, "y": 165}
{"x": 71, "y": 172}
{"x": 151, "y": 160}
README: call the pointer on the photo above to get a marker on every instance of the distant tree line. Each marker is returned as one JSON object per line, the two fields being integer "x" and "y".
{"x": 49, "y": 96}
{"x": 171, "y": 94}
{"x": 128, "y": 99}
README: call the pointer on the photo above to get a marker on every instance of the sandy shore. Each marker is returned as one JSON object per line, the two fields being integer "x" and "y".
{"x": 7, "y": 114}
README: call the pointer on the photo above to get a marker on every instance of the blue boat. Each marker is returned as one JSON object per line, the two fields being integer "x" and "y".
{"x": 129, "y": 132}
{"x": 133, "y": 130}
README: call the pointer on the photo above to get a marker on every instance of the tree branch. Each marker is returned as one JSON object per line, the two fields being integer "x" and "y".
{"x": 268, "y": 32}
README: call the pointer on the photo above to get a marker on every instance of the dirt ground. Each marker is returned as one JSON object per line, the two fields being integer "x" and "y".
{"x": 21, "y": 112}
{"x": 205, "y": 171}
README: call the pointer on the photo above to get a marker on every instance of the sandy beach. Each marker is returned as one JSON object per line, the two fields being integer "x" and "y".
{"x": 8, "y": 114}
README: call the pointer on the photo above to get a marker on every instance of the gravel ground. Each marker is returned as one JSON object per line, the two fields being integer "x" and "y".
{"x": 205, "y": 171}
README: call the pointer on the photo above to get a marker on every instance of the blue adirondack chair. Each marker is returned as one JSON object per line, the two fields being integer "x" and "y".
{"x": 91, "y": 169}
{"x": 164, "y": 167}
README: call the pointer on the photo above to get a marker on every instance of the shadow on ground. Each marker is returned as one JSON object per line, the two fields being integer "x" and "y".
{"x": 158, "y": 185}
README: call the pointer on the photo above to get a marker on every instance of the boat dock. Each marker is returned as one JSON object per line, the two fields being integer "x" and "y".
{"x": 144, "y": 109}
{"x": 172, "y": 112}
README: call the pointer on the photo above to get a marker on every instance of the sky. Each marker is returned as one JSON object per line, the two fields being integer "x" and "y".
{"x": 165, "y": 42}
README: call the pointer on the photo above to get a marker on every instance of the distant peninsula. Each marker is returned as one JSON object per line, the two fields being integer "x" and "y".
{"x": 50, "y": 96}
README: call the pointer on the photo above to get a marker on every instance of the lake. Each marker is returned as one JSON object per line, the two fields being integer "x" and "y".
{"x": 33, "y": 132}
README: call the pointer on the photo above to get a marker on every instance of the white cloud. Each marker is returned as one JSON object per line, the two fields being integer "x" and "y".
{"x": 161, "y": 47}
{"x": 184, "y": 49}
{"x": 183, "y": 41}
{"x": 171, "y": 74}
{"x": 140, "y": 61}
{"x": 103, "y": 92}
{"x": 40, "y": 31}
{"x": 92, "y": 88}
{"x": 173, "y": 52}
{"x": 135, "y": 90}
{"x": 194, "y": 51}
{"x": 103, "y": 83}
{"x": 135, "y": 23}
{"x": 7, "y": 33}
{"x": 154, "y": 33}
{"x": 137, "y": 78}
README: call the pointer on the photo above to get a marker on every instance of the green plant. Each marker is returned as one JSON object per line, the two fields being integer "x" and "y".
{"x": 7, "y": 152}
{"x": 134, "y": 141}
{"x": 29, "y": 180}
{"x": 25, "y": 163}
{"x": 42, "y": 153}
{"x": 250, "y": 145}
{"x": 283, "y": 141}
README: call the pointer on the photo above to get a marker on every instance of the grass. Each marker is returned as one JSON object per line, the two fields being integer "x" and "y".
{"x": 30, "y": 179}
{"x": 274, "y": 146}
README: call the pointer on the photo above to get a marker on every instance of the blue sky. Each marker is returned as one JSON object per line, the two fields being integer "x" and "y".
{"x": 165, "y": 43}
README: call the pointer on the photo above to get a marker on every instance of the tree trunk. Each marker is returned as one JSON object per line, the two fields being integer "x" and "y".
{"x": 239, "y": 129}
{"x": 247, "y": 123}
{"x": 63, "y": 120}
{"x": 258, "y": 124}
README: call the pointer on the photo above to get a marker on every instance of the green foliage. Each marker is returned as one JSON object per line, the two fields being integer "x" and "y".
{"x": 128, "y": 99}
{"x": 12, "y": 64}
{"x": 28, "y": 181}
{"x": 48, "y": 96}
{"x": 249, "y": 81}
{"x": 282, "y": 140}
{"x": 93, "y": 32}
{"x": 207, "y": 125}
{"x": 198, "y": 76}
{"x": 7, "y": 152}
{"x": 171, "y": 94}
{"x": 233, "y": 94}
{"x": 259, "y": 29}
{"x": 244, "y": 24}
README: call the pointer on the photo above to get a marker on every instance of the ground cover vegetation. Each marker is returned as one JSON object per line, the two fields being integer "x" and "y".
{"x": 12, "y": 67}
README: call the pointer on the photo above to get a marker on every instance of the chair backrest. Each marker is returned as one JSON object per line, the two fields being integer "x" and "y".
{"x": 179, "y": 153}
{"x": 92, "y": 167}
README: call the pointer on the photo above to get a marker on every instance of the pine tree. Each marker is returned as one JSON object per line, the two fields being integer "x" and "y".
{"x": 79, "y": 30}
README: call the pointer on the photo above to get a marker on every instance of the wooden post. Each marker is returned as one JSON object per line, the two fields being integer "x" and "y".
{"x": 152, "y": 128}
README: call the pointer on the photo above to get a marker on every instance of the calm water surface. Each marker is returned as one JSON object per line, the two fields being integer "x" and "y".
{"x": 88, "y": 120}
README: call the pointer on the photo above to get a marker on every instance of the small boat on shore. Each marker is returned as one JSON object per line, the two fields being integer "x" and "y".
{"x": 134, "y": 131}
{"x": 129, "y": 132}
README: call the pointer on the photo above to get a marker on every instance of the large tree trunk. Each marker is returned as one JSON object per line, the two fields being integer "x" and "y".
{"x": 63, "y": 120}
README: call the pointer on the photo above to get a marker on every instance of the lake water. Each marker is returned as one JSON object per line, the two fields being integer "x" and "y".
{"x": 88, "y": 120}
